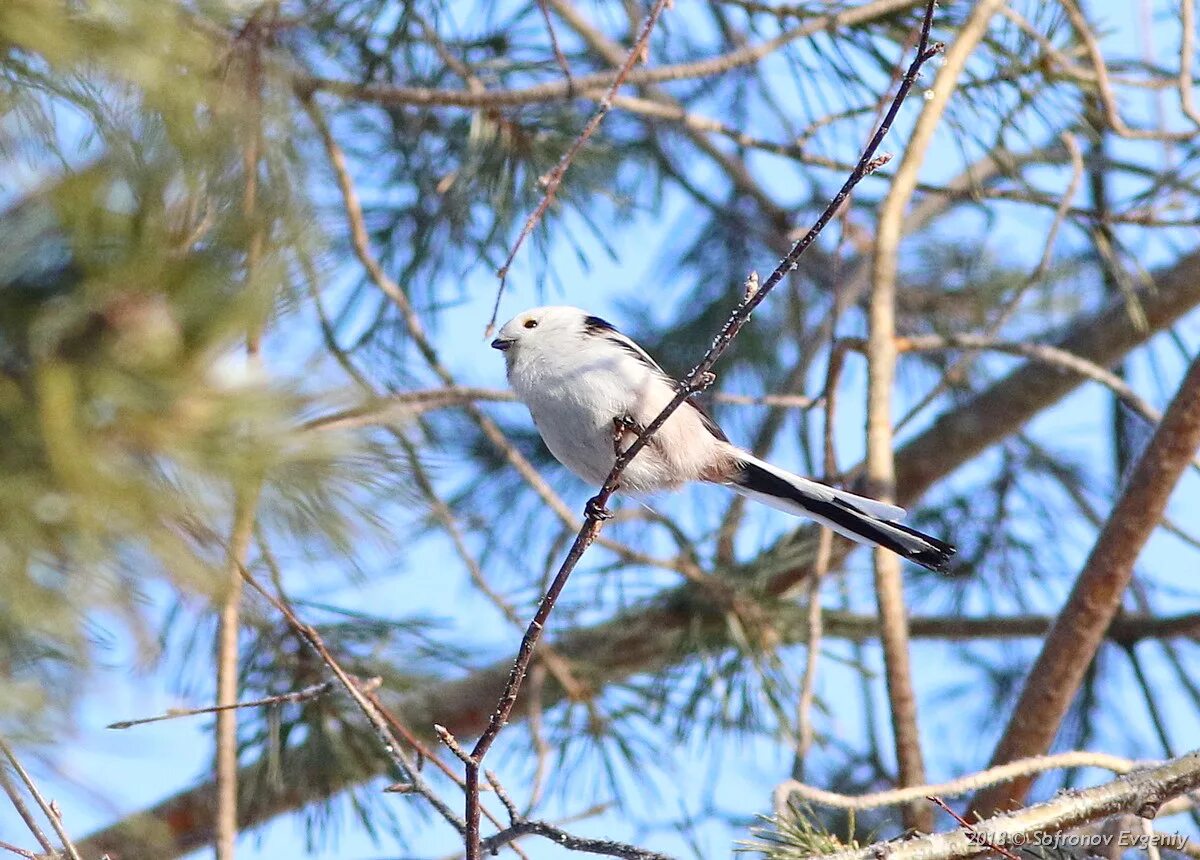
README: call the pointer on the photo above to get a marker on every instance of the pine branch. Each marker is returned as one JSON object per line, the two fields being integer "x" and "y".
{"x": 1142, "y": 793}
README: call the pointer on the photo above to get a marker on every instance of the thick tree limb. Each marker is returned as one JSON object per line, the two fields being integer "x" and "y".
{"x": 1096, "y": 597}
{"x": 646, "y": 640}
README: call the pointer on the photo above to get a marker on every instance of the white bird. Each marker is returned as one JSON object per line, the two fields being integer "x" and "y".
{"x": 590, "y": 389}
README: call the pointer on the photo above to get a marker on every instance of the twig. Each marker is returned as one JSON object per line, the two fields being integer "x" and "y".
{"x": 282, "y": 699}
{"x": 1095, "y": 598}
{"x": 554, "y": 178}
{"x": 47, "y": 808}
{"x": 8, "y": 846}
{"x": 570, "y": 842}
{"x": 537, "y": 733}
{"x": 1108, "y": 101}
{"x": 696, "y": 380}
{"x": 969, "y": 829}
{"x": 514, "y": 814}
{"x": 373, "y": 713}
{"x": 451, "y": 743}
{"x": 23, "y": 810}
{"x": 559, "y": 57}
{"x": 425, "y": 752}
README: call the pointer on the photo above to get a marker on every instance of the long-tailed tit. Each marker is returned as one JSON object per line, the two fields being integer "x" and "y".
{"x": 591, "y": 389}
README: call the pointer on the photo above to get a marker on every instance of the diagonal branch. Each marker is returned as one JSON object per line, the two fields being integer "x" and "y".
{"x": 695, "y": 381}
{"x": 1095, "y": 599}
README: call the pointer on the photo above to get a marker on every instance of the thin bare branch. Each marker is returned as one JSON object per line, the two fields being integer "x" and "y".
{"x": 20, "y": 852}
{"x": 550, "y": 182}
{"x": 308, "y": 693}
{"x": 881, "y": 368}
{"x": 22, "y": 809}
{"x": 559, "y": 57}
{"x": 558, "y": 836}
{"x": 47, "y": 807}
{"x": 969, "y": 829}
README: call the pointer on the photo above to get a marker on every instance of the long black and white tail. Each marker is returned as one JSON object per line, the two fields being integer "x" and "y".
{"x": 862, "y": 520}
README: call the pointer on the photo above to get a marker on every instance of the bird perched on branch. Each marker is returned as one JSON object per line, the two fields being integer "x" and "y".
{"x": 591, "y": 390}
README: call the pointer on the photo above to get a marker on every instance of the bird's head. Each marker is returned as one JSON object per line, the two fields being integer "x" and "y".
{"x": 541, "y": 330}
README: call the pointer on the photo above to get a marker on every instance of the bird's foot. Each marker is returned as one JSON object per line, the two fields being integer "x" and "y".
{"x": 595, "y": 510}
{"x": 621, "y": 425}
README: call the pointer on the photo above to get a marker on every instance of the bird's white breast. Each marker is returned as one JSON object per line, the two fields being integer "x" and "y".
{"x": 574, "y": 395}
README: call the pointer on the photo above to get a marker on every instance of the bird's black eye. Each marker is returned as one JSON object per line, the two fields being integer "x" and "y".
{"x": 530, "y": 323}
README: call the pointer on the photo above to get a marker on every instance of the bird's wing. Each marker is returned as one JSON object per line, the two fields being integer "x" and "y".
{"x": 598, "y": 327}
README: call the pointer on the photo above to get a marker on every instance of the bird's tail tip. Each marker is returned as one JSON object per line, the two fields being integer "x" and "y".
{"x": 860, "y": 519}
{"x": 936, "y": 556}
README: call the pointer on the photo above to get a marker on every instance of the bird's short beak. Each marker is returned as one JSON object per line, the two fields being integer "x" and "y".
{"x": 501, "y": 344}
